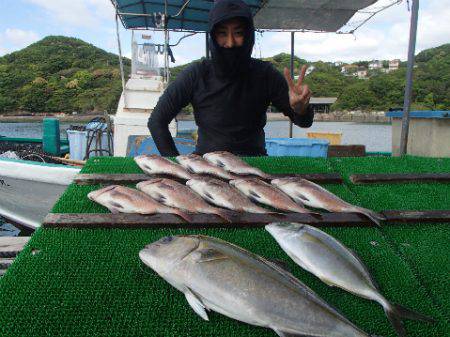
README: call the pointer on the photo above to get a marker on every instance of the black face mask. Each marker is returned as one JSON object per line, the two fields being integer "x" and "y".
{"x": 230, "y": 62}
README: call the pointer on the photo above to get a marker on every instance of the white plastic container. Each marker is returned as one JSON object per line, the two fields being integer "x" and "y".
{"x": 78, "y": 144}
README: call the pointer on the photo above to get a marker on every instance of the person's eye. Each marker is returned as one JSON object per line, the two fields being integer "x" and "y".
{"x": 239, "y": 33}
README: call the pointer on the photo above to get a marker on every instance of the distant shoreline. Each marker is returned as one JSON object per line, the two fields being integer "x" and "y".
{"x": 332, "y": 117}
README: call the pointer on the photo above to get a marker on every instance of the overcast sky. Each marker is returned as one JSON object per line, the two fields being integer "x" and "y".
{"x": 23, "y": 22}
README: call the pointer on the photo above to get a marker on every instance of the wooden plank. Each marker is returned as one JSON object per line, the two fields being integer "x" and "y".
{"x": 11, "y": 246}
{"x": 346, "y": 150}
{"x": 399, "y": 178}
{"x": 108, "y": 220}
{"x": 96, "y": 178}
{"x": 417, "y": 216}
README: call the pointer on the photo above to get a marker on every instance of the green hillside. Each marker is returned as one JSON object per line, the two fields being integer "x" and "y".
{"x": 379, "y": 91}
{"x": 61, "y": 74}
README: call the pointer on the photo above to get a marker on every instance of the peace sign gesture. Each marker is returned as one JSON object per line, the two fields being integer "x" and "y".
{"x": 299, "y": 94}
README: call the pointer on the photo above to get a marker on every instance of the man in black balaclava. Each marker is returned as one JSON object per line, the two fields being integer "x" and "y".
{"x": 231, "y": 92}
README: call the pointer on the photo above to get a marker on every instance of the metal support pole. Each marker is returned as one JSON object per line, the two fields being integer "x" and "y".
{"x": 122, "y": 74}
{"x": 208, "y": 56}
{"x": 166, "y": 43}
{"x": 292, "y": 75}
{"x": 409, "y": 75}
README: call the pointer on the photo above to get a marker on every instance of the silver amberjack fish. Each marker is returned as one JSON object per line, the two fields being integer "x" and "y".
{"x": 337, "y": 266}
{"x": 217, "y": 275}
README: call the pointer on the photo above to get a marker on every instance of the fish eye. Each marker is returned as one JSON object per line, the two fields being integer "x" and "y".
{"x": 167, "y": 239}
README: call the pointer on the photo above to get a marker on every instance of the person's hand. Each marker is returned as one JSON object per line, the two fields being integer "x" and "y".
{"x": 299, "y": 94}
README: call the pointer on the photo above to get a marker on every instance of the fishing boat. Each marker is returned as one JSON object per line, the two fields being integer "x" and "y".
{"x": 29, "y": 189}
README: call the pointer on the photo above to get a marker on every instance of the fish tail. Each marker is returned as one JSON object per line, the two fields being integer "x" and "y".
{"x": 267, "y": 176}
{"x": 183, "y": 215}
{"x": 395, "y": 313}
{"x": 375, "y": 217}
{"x": 226, "y": 215}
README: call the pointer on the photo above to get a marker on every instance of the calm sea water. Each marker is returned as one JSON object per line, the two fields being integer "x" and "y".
{"x": 376, "y": 137}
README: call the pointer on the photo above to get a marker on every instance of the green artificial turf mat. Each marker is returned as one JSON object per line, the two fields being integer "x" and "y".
{"x": 424, "y": 246}
{"x": 90, "y": 282}
{"x": 407, "y": 164}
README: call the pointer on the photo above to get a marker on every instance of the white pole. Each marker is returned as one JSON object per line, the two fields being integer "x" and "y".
{"x": 122, "y": 74}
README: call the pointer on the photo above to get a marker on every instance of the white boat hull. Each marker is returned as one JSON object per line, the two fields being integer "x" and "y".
{"x": 28, "y": 190}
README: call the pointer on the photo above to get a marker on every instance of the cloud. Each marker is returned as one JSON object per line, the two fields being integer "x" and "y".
{"x": 12, "y": 39}
{"x": 384, "y": 37}
{"x": 79, "y": 13}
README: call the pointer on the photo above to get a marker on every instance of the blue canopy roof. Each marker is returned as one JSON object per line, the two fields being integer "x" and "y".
{"x": 318, "y": 15}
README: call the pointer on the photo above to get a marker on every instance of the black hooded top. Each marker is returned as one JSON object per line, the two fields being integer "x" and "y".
{"x": 230, "y": 95}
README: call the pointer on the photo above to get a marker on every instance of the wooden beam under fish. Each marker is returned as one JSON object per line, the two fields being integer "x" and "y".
{"x": 388, "y": 178}
{"x": 242, "y": 220}
{"x": 97, "y": 178}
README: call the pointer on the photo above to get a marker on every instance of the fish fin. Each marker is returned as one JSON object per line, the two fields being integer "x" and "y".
{"x": 254, "y": 195}
{"x": 375, "y": 217}
{"x": 160, "y": 198}
{"x": 115, "y": 207}
{"x": 327, "y": 282}
{"x": 196, "y": 304}
{"x": 219, "y": 163}
{"x": 114, "y": 210}
{"x": 396, "y": 312}
{"x": 208, "y": 196}
{"x": 300, "y": 198}
{"x": 186, "y": 217}
{"x": 224, "y": 214}
{"x": 280, "y": 263}
{"x": 208, "y": 255}
{"x": 190, "y": 169}
{"x": 290, "y": 334}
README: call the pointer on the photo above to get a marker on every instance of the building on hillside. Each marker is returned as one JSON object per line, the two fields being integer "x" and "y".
{"x": 349, "y": 69}
{"x": 322, "y": 104}
{"x": 394, "y": 64}
{"x": 375, "y": 65}
{"x": 338, "y": 64}
{"x": 362, "y": 73}
{"x": 309, "y": 70}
